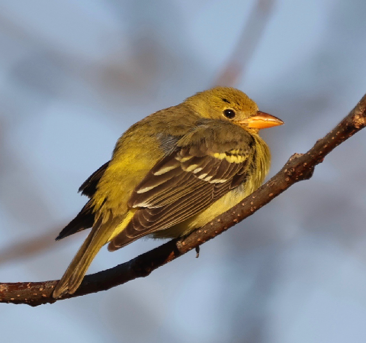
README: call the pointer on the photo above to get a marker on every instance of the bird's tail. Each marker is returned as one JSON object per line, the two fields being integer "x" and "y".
{"x": 71, "y": 280}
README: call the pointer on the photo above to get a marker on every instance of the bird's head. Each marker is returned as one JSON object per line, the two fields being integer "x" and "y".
{"x": 232, "y": 105}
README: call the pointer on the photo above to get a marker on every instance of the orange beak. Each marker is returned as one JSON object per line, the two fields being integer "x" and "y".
{"x": 262, "y": 120}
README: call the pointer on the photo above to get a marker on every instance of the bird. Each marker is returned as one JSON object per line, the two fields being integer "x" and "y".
{"x": 171, "y": 173}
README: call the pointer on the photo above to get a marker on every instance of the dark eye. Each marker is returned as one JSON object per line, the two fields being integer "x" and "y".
{"x": 228, "y": 113}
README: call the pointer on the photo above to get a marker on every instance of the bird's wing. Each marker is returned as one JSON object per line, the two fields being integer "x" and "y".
{"x": 181, "y": 185}
{"x": 85, "y": 218}
{"x": 89, "y": 187}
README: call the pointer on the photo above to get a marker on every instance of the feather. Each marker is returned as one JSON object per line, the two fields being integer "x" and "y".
{"x": 181, "y": 185}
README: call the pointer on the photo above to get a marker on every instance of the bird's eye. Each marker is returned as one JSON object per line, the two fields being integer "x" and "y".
{"x": 228, "y": 113}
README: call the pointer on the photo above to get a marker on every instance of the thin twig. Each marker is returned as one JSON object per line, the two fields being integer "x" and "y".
{"x": 27, "y": 248}
{"x": 247, "y": 44}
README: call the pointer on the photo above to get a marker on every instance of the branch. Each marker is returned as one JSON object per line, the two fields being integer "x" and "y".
{"x": 27, "y": 248}
{"x": 247, "y": 44}
{"x": 298, "y": 167}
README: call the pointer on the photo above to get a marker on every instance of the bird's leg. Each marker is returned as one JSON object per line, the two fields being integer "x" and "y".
{"x": 198, "y": 251}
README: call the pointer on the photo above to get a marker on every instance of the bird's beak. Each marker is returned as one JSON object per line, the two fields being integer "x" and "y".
{"x": 261, "y": 120}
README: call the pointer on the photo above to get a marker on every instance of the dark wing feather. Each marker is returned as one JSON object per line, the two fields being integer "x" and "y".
{"x": 82, "y": 221}
{"x": 180, "y": 186}
{"x": 85, "y": 218}
{"x": 89, "y": 187}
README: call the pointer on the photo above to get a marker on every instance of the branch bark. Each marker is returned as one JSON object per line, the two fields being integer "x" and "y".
{"x": 298, "y": 167}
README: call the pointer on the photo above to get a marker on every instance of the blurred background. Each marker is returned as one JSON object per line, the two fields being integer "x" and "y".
{"x": 75, "y": 75}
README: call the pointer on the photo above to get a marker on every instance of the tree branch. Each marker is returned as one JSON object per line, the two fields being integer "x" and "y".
{"x": 247, "y": 44}
{"x": 298, "y": 167}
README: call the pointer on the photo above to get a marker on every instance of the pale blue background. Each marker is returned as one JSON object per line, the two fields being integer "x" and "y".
{"x": 75, "y": 75}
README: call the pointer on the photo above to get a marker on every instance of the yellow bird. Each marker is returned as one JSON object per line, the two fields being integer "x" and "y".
{"x": 170, "y": 173}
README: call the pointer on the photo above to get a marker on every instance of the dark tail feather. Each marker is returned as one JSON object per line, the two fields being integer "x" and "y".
{"x": 84, "y": 220}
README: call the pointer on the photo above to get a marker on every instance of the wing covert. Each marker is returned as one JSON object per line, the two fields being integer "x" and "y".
{"x": 181, "y": 185}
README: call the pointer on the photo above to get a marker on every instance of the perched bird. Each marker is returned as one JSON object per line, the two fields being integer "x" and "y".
{"x": 170, "y": 173}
